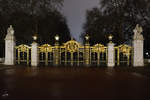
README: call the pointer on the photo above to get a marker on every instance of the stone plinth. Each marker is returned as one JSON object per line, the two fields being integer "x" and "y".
{"x": 10, "y": 47}
{"x": 111, "y": 55}
{"x": 56, "y": 55}
{"x": 87, "y": 55}
{"x": 138, "y": 58}
{"x": 34, "y": 55}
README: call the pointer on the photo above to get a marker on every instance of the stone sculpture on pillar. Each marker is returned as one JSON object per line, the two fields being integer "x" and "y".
{"x": 138, "y": 59}
{"x": 137, "y": 33}
{"x": 10, "y": 47}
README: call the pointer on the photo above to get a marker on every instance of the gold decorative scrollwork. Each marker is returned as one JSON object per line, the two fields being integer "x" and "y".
{"x": 72, "y": 46}
{"x": 125, "y": 49}
{"x": 99, "y": 48}
{"x": 23, "y": 48}
{"x": 45, "y": 48}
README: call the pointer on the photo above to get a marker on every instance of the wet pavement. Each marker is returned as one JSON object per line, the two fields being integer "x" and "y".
{"x": 20, "y": 83}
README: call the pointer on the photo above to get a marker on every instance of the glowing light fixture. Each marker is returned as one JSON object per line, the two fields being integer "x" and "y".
{"x": 87, "y": 37}
{"x": 110, "y": 37}
{"x": 34, "y": 37}
{"x": 57, "y": 37}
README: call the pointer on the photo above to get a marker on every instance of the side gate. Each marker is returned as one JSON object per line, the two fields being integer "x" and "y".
{"x": 123, "y": 55}
{"x": 23, "y": 54}
{"x": 98, "y": 55}
{"x": 46, "y": 54}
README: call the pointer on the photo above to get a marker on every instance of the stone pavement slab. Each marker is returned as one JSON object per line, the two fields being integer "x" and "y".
{"x": 66, "y": 83}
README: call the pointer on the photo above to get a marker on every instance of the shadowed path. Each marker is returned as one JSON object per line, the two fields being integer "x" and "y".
{"x": 72, "y": 84}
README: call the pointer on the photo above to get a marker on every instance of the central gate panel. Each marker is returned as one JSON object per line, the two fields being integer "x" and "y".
{"x": 72, "y": 53}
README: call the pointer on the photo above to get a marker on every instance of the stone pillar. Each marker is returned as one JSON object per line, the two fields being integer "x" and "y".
{"x": 10, "y": 47}
{"x": 138, "y": 58}
{"x": 87, "y": 54}
{"x": 34, "y": 55}
{"x": 111, "y": 55}
{"x": 56, "y": 51}
{"x": 87, "y": 51}
{"x": 56, "y": 54}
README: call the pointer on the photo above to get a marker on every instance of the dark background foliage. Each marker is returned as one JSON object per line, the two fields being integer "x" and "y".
{"x": 29, "y": 17}
{"x": 119, "y": 18}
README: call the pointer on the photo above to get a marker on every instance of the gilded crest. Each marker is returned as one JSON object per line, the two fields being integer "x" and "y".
{"x": 72, "y": 46}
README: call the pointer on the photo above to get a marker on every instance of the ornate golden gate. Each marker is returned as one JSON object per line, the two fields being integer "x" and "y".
{"x": 123, "y": 55}
{"x": 23, "y": 54}
{"x": 98, "y": 55}
{"x": 73, "y": 53}
{"x": 46, "y": 54}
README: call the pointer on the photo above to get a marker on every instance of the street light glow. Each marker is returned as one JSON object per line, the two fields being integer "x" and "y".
{"x": 110, "y": 37}
{"x": 57, "y": 37}
{"x": 87, "y": 37}
{"x": 34, "y": 37}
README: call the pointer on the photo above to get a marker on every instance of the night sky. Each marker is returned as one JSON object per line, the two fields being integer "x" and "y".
{"x": 75, "y": 11}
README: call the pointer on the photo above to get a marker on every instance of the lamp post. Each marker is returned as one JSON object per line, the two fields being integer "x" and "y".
{"x": 87, "y": 38}
{"x": 57, "y": 39}
{"x": 110, "y": 37}
{"x": 34, "y": 37}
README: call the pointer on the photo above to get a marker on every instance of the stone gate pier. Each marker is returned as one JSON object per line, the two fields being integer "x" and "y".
{"x": 10, "y": 47}
{"x": 138, "y": 58}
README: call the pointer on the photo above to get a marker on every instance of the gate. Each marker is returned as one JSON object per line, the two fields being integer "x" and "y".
{"x": 74, "y": 54}
{"x": 23, "y": 54}
{"x": 46, "y": 54}
{"x": 98, "y": 55}
{"x": 123, "y": 55}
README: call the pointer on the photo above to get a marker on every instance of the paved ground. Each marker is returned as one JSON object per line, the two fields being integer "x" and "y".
{"x": 20, "y": 83}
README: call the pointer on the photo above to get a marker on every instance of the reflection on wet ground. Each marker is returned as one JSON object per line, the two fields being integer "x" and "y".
{"x": 20, "y": 83}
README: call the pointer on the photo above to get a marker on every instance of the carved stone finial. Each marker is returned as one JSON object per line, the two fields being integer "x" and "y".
{"x": 137, "y": 33}
{"x": 10, "y": 30}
